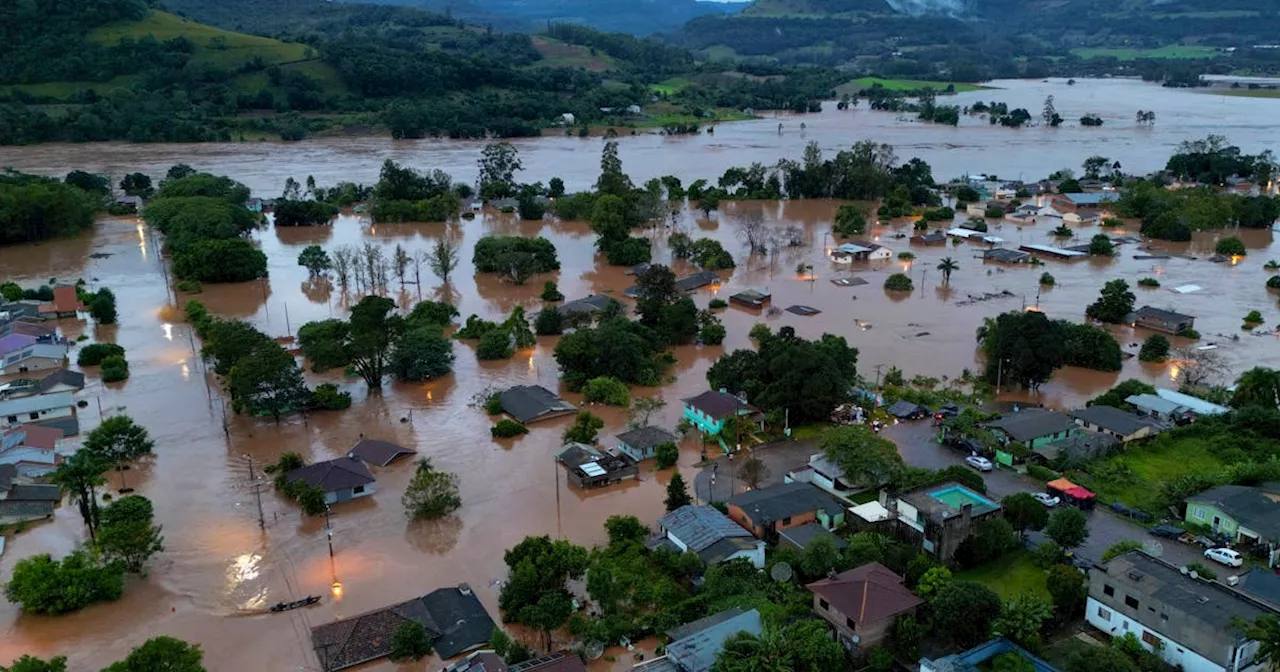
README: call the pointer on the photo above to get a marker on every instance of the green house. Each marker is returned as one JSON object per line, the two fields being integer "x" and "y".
{"x": 1035, "y": 427}
{"x": 1250, "y": 516}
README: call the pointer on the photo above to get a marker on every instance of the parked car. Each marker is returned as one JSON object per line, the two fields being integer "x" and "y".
{"x": 1225, "y": 556}
{"x": 1166, "y": 531}
{"x": 978, "y": 462}
{"x": 1136, "y": 514}
{"x": 1047, "y": 499}
{"x": 947, "y": 411}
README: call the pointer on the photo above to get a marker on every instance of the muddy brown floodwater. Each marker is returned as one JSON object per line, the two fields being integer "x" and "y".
{"x": 220, "y": 571}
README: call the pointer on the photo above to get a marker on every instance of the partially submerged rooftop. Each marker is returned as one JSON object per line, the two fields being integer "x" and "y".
{"x": 701, "y": 641}
{"x": 530, "y": 403}
{"x": 333, "y": 475}
{"x": 378, "y": 453}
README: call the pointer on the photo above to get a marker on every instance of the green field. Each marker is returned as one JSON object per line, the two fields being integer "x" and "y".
{"x": 1135, "y": 477}
{"x": 1009, "y": 575}
{"x": 557, "y": 54}
{"x": 903, "y": 85}
{"x": 1169, "y": 51}
{"x": 670, "y": 86}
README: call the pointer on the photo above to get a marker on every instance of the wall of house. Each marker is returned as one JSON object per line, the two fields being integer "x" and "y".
{"x": 1107, "y": 619}
{"x": 702, "y": 421}
{"x": 30, "y": 364}
{"x": 7, "y": 421}
{"x": 755, "y": 555}
{"x": 1203, "y": 514}
{"x": 635, "y": 453}
{"x": 1040, "y": 441}
{"x": 348, "y": 494}
{"x": 869, "y": 634}
{"x": 740, "y": 517}
{"x": 1142, "y": 433}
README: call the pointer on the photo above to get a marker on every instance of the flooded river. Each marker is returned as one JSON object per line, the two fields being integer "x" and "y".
{"x": 220, "y": 570}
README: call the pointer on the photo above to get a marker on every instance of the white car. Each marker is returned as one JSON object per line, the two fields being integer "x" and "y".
{"x": 1047, "y": 499}
{"x": 1225, "y": 556}
{"x": 978, "y": 462}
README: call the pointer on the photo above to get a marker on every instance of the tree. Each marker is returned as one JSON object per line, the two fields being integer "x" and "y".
{"x": 1113, "y": 304}
{"x": 821, "y": 556}
{"x": 118, "y": 440}
{"x": 947, "y": 266}
{"x": 444, "y": 259}
{"x": 316, "y": 260}
{"x": 612, "y": 180}
{"x": 933, "y": 581}
{"x": 752, "y": 471}
{"x": 409, "y": 642}
{"x": 1022, "y": 617}
{"x": 1050, "y": 115}
{"x": 1231, "y": 247}
{"x": 161, "y": 654}
{"x": 867, "y": 459}
{"x": 103, "y": 306}
{"x": 81, "y": 474}
{"x": 226, "y": 342}
{"x": 642, "y": 408}
{"x": 666, "y": 454}
{"x": 801, "y": 646}
{"x": 431, "y": 493}
{"x": 94, "y": 353}
{"x": 1094, "y": 165}
{"x": 1023, "y": 512}
{"x": 373, "y": 331}
{"x": 535, "y": 594}
{"x": 584, "y": 428}
{"x": 964, "y": 611}
{"x": 550, "y": 322}
{"x": 137, "y": 184}
{"x": 1115, "y": 397}
{"x": 1101, "y": 246}
{"x": 127, "y": 535}
{"x": 267, "y": 382}
{"x": 32, "y": 664}
{"x": 1023, "y": 348}
{"x": 43, "y": 585}
{"x": 1154, "y": 349}
{"x": 608, "y": 391}
{"x": 1265, "y": 630}
{"x": 1067, "y": 587}
{"x": 1067, "y": 527}
{"x": 422, "y": 353}
{"x": 499, "y": 162}
{"x": 114, "y": 369}
{"x": 518, "y": 327}
{"x": 677, "y": 493}
{"x": 850, "y": 221}
{"x": 898, "y": 282}
{"x": 1258, "y": 386}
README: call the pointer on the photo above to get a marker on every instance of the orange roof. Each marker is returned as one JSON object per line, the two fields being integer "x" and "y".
{"x": 1061, "y": 484}
{"x": 65, "y": 300}
{"x": 41, "y": 437}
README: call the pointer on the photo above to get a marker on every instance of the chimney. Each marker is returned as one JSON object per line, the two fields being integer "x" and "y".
{"x": 465, "y": 589}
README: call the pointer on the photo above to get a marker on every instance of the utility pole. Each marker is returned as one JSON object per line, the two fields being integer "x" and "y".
{"x": 257, "y": 493}
{"x": 328, "y": 530}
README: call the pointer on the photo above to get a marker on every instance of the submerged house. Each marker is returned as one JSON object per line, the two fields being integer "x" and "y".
{"x": 378, "y": 453}
{"x": 642, "y": 443}
{"x": 531, "y": 403}
{"x": 590, "y": 467}
{"x": 56, "y": 409}
{"x": 1161, "y": 320}
{"x": 750, "y": 298}
{"x": 862, "y": 252}
{"x": 23, "y": 353}
{"x": 341, "y": 479}
{"x": 709, "y": 411}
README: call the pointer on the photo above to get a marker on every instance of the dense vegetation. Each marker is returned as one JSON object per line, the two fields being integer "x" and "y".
{"x": 34, "y": 208}
{"x": 206, "y": 224}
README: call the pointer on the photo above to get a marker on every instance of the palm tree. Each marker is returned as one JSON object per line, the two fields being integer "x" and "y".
{"x": 1258, "y": 386}
{"x": 745, "y": 652}
{"x": 988, "y": 328}
{"x": 946, "y": 266}
{"x": 81, "y": 474}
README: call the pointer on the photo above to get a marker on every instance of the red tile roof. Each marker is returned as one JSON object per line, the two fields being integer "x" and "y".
{"x": 64, "y": 301}
{"x": 41, "y": 437}
{"x": 867, "y": 594}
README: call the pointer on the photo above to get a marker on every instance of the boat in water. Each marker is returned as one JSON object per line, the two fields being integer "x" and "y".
{"x": 296, "y": 604}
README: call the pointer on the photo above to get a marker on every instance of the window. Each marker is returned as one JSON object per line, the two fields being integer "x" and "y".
{"x": 357, "y": 490}
{"x": 849, "y": 622}
{"x": 13, "y": 418}
{"x": 1199, "y": 514}
{"x": 1148, "y": 638}
{"x": 35, "y": 416}
{"x": 1104, "y": 613}
{"x": 1131, "y": 601}
{"x": 826, "y": 606}
{"x": 786, "y": 521}
{"x": 1108, "y": 590}
{"x": 1164, "y": 616}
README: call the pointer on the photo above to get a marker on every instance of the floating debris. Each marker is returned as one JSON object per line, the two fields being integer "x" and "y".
{"x": 803, "y": 310}
{"x": 1187, "y": 289}
{"x": 987, "y": 296}
{"x": 849, "y": 282}
{"x": 99, "y": 255}
{"x": 1152, "y": 256}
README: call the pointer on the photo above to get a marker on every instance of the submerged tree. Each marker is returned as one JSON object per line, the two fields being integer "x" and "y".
{"x": 431, "y": 493}
{"x": 81, "y": 475}
{"x": 444, "y": 259}
{"x": 118, "y": 440}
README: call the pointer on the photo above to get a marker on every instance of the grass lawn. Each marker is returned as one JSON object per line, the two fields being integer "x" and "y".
{"x": 670, "y": 86}
{"x": 904, "y": 85}
{"x": 811, "y": 430}
{"x": 214, "y": 46}
{"x": 1012, "y": 574}
{"x": 1135, "y": 477}
{"x": 557, "y": 54}
{"x": 1168, "y": 51}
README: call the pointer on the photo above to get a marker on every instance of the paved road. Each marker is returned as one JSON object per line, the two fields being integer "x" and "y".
{"x": 918, "y": 447}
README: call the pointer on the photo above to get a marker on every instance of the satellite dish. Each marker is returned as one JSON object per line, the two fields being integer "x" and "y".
{"x": 781, "y": 572}
{"x": 595, "y": 650}
{"x": 1153, "y": 548}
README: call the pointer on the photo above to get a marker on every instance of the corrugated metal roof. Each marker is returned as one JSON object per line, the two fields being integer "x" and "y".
{"x": 37, "y": 403}
{"x": 700, "y": 526}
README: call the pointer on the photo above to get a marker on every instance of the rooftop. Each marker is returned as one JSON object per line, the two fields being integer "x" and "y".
{"x": 1262, "y": 584}
{"x": 1032, "y": 423}
{"x": 66, "y": 377}
{"x": 333, "y": 475}
{"x": 591, "y": 462}
{"x": 36, "y": 403}
{"x": 14, "y": 342}
{"x": 700, "y": 526}
{"x": 903, "y": 409}
{"x": 1113, "y": 419}
{"x": 1209, "y": 603}
{"x": 645, "y": 438}
{"x": 528, "y": 403}
{"x": 376, "y": 452}
{"x": 718, "y": 405}
{"x": 1195, "y": 404}
{"x": 940, "y": 502}
{"x": 867, "y": 594}
{"x": 785, "y": 500}
{"x": 803, "y": 535}
{"x": 1006, "y": 255}
{"x": 1151, "y": 402}
{"x": 1081, "y": 198}
{"x": 973, "y": 660}
{"x": 1257, "y": 508}
{"x": 1161, "y": 314}
{"x": 586, "y": 306}
{"x": 1055, "y": 251}
{"x": 696, "y": 651}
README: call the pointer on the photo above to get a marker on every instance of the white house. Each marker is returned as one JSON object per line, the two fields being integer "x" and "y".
{"x": 823, "y": 473}
{"x": 31, "y": 449}
{"x": 37, "y": 409}
{"x": 33, "y": 356}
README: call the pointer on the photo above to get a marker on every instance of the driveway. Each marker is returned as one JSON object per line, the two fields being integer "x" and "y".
{"x": 717, "y": 480}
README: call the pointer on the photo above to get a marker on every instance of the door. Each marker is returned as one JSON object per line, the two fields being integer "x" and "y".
{"x": 1216, "y": 522}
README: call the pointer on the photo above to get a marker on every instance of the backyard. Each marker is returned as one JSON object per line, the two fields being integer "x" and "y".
{"x": 1135, "y": 477}
{"x": 1009, "y": 575}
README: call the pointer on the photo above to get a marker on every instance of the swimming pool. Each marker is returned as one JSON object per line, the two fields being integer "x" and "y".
{"x": 957, "y": 496}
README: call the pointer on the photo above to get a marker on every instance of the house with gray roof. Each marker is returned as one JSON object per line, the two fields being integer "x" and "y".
{"x": 531, "y": 403}
{"x": 1158, "y": 319}
{"x": 61, "y": 380}
{"x": 342, "y": 479}
{"x": 378, "y": 453}
{"x": 1126, "y": 427}
{"x": 1033, "y": 427}
{"x": 1186, "y": 620}
{"x": 767, "y": 511}
{"x": 642, "y": 443}
{"x": 20, "y": 353}
{"x": 709, "y": 533}
{"x": 1162, "y": 410}
{"x": 695, "y": 645}
{"x": 801, "y": 536}
{"x": 588, "y": 306}
{"x": 57, "y": 408}
{"x": 1249, "y": 515}
{"x": 453, "y": 618}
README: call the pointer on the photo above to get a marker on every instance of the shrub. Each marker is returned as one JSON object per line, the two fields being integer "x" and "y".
{"x": 1111, "y": 222}
{"x": 906, "y": 256}
{"x": 1230, "y": 246}
{"x": 716, "y": 304}
{"x": 550, "y": 292}
{"x": 994, "y": 212}
{"x": 609, "y": 391}
{"x": 493, "y": 403}
{"x": 1254, "y": 317}
{"x": 1155, "y": 349}
{"x": 93, "y": 355}
{"x": 43, "y": 585}
{"x": 506, "y": 429}
{"x": 759, "y": 332}
{"x": 1273, "y": 282}
{"x": 409, "y": 642}
{"x": 667, "y": 454}
{"x": 327, "y": 397}
{"x": 190, "y": 286}
{"x": 1190, "y": 333}
{"x": 712, "y": 334}
{"x": 1041, "y": 473}
{"x": 1063, "y": 231}
{"x": 1204, "y": 572}
{"x": 495, "y": 344}
{"x": 550, "y": 322}
{"x": 1148, "y": 282}
{"x": 630, "y": 251}
{"x": 850, "y": 221}
{"x": 899, "y": 282}
{"x": 475, "y": 328}
{"x": 114, "y": 369}
{"x": 490, "y": 253}
{"x": 1047, "y": 280}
